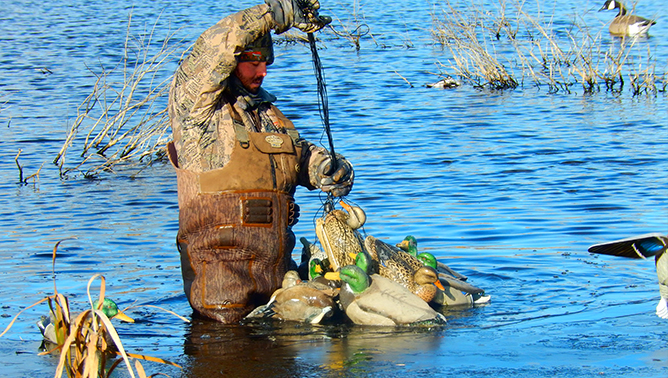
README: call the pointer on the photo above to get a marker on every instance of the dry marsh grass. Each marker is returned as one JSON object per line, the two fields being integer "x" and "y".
{"x": 124, "y": 119}
{"x": 501, "y": 45}
{"x": 88, "y": 344}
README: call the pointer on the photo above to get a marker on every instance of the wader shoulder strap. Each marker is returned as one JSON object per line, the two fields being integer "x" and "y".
{"x": 239, "y": 127}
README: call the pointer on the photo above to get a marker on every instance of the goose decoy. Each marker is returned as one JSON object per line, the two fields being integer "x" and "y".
{"x": 642, "y": 247}
{"x": 109, "y": 308}
{"x": 626, "y": 24}
{"x": 376, "y": 300}
{"x": 446, "y": 82}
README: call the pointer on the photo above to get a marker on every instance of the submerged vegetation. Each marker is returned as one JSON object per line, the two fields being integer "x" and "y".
{"x": 510, "y": 47}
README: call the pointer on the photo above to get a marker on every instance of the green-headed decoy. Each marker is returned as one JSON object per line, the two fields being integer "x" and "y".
{"x": 376, "y": 300}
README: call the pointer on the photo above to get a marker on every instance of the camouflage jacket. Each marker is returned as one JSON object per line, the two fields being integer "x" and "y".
{"x": 201, "y": 123}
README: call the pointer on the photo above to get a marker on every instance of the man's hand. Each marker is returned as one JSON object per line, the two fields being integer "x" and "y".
{"x": 339, "y": 182}
{"x": 302, "y": 14}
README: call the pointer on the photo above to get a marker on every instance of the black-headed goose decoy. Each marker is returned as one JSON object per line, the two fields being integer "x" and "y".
{"x": 626, "y": 24}
{"x": 641, "y": 247}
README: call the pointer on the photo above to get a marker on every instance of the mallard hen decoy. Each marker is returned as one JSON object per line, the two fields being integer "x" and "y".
{"x": 376, "y": 300}
{"x": 297, "y": 300}
{"x": 626, "y": 24}
{"x": 338, "y": 235}
{"x": 642, "y": 247}
{"x": 456, "y": 292}
{"x": 109, "y": 308}
{"x": 404, "y": 269}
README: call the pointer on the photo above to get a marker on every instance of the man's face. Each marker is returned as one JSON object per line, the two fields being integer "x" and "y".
{"x": 251, "y": 74}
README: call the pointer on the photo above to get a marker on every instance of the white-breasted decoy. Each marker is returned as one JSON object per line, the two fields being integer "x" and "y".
{"x": 626, "y": 24}
{"x": 642, "y": 247}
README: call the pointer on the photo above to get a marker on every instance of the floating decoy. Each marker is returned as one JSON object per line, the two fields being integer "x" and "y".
{"x": 626, "y": 24}
{"x": 109, "y": 308}
{"x": 409, "y": 245}
{"x": 403, "y": 268}
{"x": 444, "y": 83}
{"x": 297, "y": 300}
{"x": 452, "y": 281}
{"x": 376, "y": 300}
{"x": 642, "y": 247}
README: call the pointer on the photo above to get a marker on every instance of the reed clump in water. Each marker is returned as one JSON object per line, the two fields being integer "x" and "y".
{"x": 353, "y": 28}
{"x": 83, "y": 341}
{"x": 124, "y": 119}
{"x": 510, "y": 47}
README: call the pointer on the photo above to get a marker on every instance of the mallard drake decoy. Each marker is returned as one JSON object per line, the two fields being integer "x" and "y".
{"x": 310, "y": 252}
{"x": 376, "y": 300}
{"x": 456, "y": 292}
{"x": 626, "y": 24}
{"x": 338, "y": 235}
{"x": 409, "y": 245}
{"x": 642, "y": 247}
{"x": 297, "y": 300}
{"x": 403, "y": 268}
{"x": 109, "y": 308}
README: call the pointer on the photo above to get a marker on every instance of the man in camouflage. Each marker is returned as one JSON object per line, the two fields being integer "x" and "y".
{"x": 238, "y": 161}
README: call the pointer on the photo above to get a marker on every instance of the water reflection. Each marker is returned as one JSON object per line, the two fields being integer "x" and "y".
{"x": 295, "y": 349}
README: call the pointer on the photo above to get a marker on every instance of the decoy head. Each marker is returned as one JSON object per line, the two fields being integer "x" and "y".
{"x": 315, "y": 269}
{"x": 353, "y": 275}
{"x": 363, "y": 260}
{"x": 427, "y": 275}
{"x": 110, "y": 309}
{"x": 290, "y": 279}
{"x": 610, "y": 5}
{"x": 356, "y": 216}
{"x": 427, "y": 259}
{"x": 409, "y": 245}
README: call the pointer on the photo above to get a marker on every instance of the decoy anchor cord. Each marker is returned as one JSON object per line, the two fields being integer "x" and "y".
{"x": 323, "y": 107}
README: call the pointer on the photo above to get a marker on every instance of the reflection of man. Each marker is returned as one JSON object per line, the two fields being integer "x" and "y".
{"x": 238, "y": 161}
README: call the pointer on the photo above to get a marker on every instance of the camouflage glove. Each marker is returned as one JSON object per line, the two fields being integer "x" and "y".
{"x": 302, "y": 14}
{"x": 340, "y": 182}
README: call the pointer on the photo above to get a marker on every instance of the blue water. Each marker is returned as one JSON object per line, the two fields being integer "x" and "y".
{"x": 507, "y": 187}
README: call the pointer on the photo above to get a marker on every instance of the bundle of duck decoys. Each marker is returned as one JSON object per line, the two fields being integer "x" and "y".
{"x": 365, "y": 280}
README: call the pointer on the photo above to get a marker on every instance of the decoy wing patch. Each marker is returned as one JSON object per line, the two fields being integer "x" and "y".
{"x": 638, "y": 247}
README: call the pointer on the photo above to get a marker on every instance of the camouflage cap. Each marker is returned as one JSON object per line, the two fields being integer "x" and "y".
{"x": 260, "y": 50}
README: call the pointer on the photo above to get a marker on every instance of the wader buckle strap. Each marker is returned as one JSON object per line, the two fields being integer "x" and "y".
{"x": 257, "y": 211}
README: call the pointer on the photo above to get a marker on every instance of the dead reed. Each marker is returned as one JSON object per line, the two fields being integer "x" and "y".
{"x": 88, "y": 343}
{"x": 353, "y": 27}
{"x": 508, "y": 46}
{"x": 124, "y": 119}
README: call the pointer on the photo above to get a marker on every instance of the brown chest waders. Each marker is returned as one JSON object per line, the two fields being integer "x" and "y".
{"x": 234, "y": 233}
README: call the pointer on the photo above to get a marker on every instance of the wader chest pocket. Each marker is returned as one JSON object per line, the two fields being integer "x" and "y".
{"x": 257, "y": 211}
